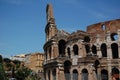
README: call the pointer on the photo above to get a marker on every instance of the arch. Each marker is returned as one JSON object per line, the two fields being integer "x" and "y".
{"x": 104, "y": 74}
{"x": 94, "y": 49}
{"x": 67, "y": 66}
{"x": 87, "y": 48}
{"x": 114, "y": 47}
{"x": 68, "y": 51}
{"x": 84, "y": 74}
{"x": 96, "y": 65}
{"x": 50, "y": 52}
{"x": 75, "y": 74}
{"x": 114, "y": 36}
{"x": 104, "y": 50}
{"x": 54, "y": 74}
{"x": 49, "y": 75}
{"x": 75, "y": 49}
{"x": 103, "y": 27}
{"x": 86, "y": 39}
{"x": 115, "y": 73}
{"x": 61, "y": 46}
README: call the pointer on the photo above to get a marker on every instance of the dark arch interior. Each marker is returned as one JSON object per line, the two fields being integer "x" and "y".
{"x": 67, "y": 66}
{"x": 49, "y": 74}
{"x": 115, "y": 73}
{"x": 75, "y": 49}
{"x": 50, "y": 52}
{"x": 104, "y": 74}
{"x": 96, "y": 65}
{"x": 68, "y": 51}
{"x": 114, "y": 36}
{"x": 75, "y": 71}
{"x": 104, "y": 50}
{"x": 84, "y": 71}
{"x": 87, "y": 47}
{"x": 61, "y": 46}
{"x": 75, "y": 74}
{"x": 114, "y": 48}
{"x": 86, "y": 39}
{"x": 94, "y": 49}
{"x": 84, "y": 74}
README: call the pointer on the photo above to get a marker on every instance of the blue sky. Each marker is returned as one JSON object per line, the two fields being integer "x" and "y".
{"x": 22, "y": 22}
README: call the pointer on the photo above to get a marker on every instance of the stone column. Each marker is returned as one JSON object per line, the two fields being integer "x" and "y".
{"x": 118, "y": 34}
{"x": 99, "y": 52}
{"x": 71, "y": 75}
{"x": 46, "y": 75}
{"x": 61, "y": 75}
{"x": 108, "y": 36}
{"x": 109, "y": 70}
{"x": 47, "y": 54}
{"x": 52, "y": 53}
{"x": 99, "y": 74}
{"x": 81, "y": 50}
{"x": 57, "y": 73}
{"x": 80, "y": 76}
{"x": 109, "y": 52}
{"x": 71, "y": 51}
{"x": 55, "y": 50}
{"x": 51, "y": 76}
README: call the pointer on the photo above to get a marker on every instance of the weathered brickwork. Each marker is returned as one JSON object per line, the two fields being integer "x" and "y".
{"x": 90, "y": 55}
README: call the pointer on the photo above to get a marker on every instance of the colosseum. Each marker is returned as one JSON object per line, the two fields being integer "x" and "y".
{"x": 93, "y": 54}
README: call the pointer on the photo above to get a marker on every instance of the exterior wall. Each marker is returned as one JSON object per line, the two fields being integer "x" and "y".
{"x": 90, "y": 55}
{"x": 35, "y": 61}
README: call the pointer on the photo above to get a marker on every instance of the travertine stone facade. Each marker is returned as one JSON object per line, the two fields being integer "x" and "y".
{"x": 93, "y": 54}
{"x": 34, "y": 61}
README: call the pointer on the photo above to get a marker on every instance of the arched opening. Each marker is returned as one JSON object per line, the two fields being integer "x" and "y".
{"x": 115, "y": 73}
{"x": 75, "y": 74}
{"x": 68, "y": 51}
{"x": 104, "y": 74}
{"x": 67, "y": 66}
{"x": 87, "y": 48}
{"x": 114, "y": 48}
{"x": 84, "y": 74}
{"x": 49, "y": 52}
{"x": 61, "y": 46}
{"x": 94, "y": 49}
{"x": 104, "y": 50}
{"x": 49, "y": 75}
{"x": 103, "y": 27}
{"x": 54, "y": 74}
{"x": 96, "y": 65}
{"x": 86, "y": 39}
{"x": 75, "y": 49}
{"x": 114, "y": 36}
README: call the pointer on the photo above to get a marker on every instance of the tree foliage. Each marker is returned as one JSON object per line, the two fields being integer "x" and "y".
{"x": 0, "y": 58}
{"x": 22, "y": 73}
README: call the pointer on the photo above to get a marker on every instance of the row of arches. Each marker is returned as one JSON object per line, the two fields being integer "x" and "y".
{"x": 67, "y": 67}
{"x": 114, "y": 48}
{"x": 114, "y": 73}
{"x": 103, "y": 48}
{"x": 113, "y": 36}
{"x": 93, "y": 49}
{"x": 62, "y": 47}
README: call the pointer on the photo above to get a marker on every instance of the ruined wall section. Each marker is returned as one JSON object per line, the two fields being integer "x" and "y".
{"x": 100, "y": 30}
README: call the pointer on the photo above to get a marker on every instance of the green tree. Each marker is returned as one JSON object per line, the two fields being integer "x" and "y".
{"x": 22, "y": 73}
{"x": 0, "y": 59}
{"x": 2, "y": 72}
